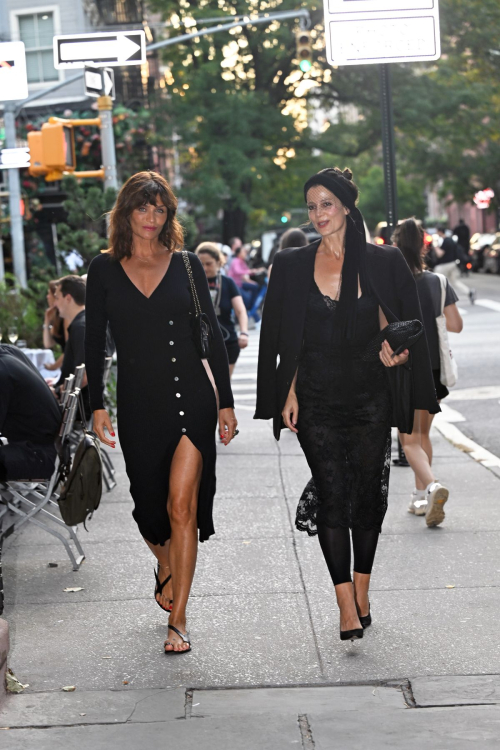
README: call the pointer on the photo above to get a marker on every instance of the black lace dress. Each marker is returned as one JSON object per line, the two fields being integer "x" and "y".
{"x": 344, "y": 424}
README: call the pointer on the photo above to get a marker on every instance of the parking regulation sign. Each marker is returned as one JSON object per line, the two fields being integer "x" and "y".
{"x": 13, "y": 78}
{"x": 360, "y": 32}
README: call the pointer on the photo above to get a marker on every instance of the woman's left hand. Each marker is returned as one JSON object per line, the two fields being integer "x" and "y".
{"x": 227, "y": 425}
{"x": 389, "y": 359}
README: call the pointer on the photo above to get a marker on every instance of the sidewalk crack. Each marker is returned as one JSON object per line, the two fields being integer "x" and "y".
{"x": 302, "y": 580}
{"x": 305, "y": 732}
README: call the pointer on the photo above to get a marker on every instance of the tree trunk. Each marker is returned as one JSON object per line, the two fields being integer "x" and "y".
{"x": 233, "y": 224}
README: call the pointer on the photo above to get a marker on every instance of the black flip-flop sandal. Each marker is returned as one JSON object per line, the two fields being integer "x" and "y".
{"x": 159, "y": 589}
{"x": 185, "y": 638}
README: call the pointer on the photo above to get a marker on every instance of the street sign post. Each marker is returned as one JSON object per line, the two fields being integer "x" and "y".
{"x": 381, "y": 31}
{"x": 99, "y": 82}
{"x": 100, "y": 49}
{"x": 13, "y": 77}
{"x": 364, "y": 32}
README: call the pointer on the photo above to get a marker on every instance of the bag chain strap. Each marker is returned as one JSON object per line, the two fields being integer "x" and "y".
{"x": 189, "y": 270}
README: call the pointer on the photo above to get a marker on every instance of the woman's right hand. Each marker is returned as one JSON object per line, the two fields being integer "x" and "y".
{"x": 101, "y": 422}
{"x": 290, "y": 411}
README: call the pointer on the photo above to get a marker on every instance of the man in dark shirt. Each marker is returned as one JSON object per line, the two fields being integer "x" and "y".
{"x": 448, "y": 259}
{"x": 29, "y": 419}
{"x": 70, "y": 302}
{"x": 462, "y": 231}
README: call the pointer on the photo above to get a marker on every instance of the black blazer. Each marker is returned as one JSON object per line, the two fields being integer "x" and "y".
{"x": 284, "y": 314}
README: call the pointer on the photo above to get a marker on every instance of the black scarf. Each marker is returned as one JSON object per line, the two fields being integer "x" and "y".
{"x": 355, "y": 250}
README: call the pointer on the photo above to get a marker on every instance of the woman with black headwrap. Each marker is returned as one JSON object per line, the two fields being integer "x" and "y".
{"x": 326, "y": 302}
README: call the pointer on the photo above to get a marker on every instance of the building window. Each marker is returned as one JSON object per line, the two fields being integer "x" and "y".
{"x": 36, "y": 30}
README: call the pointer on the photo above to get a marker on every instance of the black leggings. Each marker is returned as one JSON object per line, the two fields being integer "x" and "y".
{"x": 336, "y": 546}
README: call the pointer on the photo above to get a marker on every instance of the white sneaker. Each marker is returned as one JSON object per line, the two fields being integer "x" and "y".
{"x": 418, "y": 504}
{"x": 437, "y": 495}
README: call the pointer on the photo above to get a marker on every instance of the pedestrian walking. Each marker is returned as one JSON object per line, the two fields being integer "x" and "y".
{"x": 448, "y": 255}
{"x": 291, "y": 238}
{"x": 429, "y": 496}
{"x": 227, "y": 299}
{"x": 326, "y": 306}
{"x": 167, "y": 409}
{"x": 462, "y": 233}
{"x": 240, "y": 271}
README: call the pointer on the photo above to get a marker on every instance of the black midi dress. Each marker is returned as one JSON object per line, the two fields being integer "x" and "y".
{"x": 163, "y": 389}
{"x": 344, "y": 423}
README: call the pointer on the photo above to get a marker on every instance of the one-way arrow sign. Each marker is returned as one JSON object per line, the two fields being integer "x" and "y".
{"x": 106, "y": 48}
{"x": 99, "y": 82}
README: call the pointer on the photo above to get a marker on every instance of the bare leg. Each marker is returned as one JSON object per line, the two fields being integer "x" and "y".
{"x": 361, "y": 586}
{"x": 425, "y": 428}
{"x": 349, "y": 619}
{"x": 161, "y": 554}
{"x": 231, "y": 370}
{"x": 416, "y": 455}
{"x": 182, "y": 505}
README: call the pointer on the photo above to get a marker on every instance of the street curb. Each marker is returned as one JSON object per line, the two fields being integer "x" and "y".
{"x": 4, "y": 651}
{"x": 457, "y": 438}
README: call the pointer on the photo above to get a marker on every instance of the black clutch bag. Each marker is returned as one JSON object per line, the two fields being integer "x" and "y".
{"x": 400, "y": 336}
{"x": 201, "y": 327}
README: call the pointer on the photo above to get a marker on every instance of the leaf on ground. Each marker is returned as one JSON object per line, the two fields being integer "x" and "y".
{"x": 73, "y": 588}
{"x": 125, "y": 682}
{"x": 69, "y": 688}
{"x": 12, "y": 683}
{"x": 450, "y": 586}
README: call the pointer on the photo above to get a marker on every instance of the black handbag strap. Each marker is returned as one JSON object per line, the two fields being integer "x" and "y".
{"x": 194, "y": 293}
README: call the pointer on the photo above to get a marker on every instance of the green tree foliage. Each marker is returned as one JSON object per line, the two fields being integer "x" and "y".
{"x": 84, "y": 229}
{"x": 235, "y": 100}
{"x": 240, "y": 105}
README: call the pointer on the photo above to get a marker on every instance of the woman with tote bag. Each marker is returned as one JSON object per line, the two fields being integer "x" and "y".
{"x": 440, "y": 315}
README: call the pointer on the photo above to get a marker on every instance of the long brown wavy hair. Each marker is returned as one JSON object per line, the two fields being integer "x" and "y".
{"x": 140, "y": 189}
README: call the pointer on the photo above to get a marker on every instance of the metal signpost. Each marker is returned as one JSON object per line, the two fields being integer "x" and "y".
{"x": 363, "y": 32}
{"x": 106, "y": 48}
{"x": 14, "y": 86}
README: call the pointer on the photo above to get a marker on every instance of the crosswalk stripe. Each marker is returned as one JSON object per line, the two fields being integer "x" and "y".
{"x": 489, "y": 303}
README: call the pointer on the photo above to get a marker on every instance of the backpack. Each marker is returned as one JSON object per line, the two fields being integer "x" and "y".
{"x": 81, "y": 493}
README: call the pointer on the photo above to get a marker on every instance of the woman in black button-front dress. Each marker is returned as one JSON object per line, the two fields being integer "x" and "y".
{"x": 167, "y": 407}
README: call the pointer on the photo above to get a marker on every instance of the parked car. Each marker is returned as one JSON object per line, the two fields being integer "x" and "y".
{"x": 491, "y": 256}
{"x": 381, "y": 235}
{"x": 478, "y": 242}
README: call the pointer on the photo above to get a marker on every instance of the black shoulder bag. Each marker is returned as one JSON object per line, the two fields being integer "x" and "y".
{"x": 82, "y": 486}
{"x": 202, "y": 330}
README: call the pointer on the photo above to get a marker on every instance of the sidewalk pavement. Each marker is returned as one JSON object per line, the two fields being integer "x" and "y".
{"x": 267, "y": 669}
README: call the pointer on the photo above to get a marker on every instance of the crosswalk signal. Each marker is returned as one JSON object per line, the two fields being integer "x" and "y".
{"x": 304, "y": 50}
{"x": 52, "y": 151}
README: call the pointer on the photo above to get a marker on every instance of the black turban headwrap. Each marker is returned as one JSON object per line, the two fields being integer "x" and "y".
{"x": 355, "y": 249}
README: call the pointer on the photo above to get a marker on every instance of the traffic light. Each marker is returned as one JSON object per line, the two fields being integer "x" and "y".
{"x": 285, "y": 217}
{"x": 52, "y": 151}
{"x": 304, "y": 50}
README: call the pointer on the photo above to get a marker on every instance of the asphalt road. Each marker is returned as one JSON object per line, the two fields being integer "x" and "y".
{"x": 476, "y": 395}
